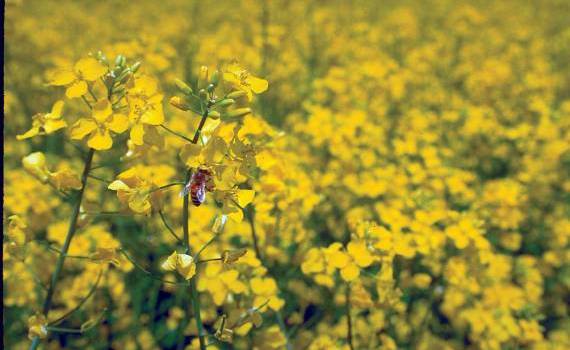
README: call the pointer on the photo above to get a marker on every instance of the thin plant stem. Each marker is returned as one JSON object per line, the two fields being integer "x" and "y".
{"x": 194, "y": 297}
{"x": 348, "y": 319}
{"x": 167, "y": 186}
{"x": 168, "y": 226}
{"x": 70, "y": 233}
{"x": 78, "y": 306}
{"x": 200, "y": 126}
{"x": 175, "y": 133}
{"x": 208, "y": 260}
{"x": 99, "y": 179}
{"x": 147, "y": 272}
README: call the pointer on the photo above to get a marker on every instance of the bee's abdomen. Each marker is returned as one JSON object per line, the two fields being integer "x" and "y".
{"x": 197, "y": 194}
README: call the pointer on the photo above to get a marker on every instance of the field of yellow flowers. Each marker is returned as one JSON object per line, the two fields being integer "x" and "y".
{"x": 277, "y": 174}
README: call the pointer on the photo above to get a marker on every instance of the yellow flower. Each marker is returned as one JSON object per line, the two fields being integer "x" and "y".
{"x": 35, "y": 164}
{"x": 65, "y": 179}
{"x": 16, "y": 229}
{"x": 99, "y": 126}
{"x": 242, "y": 80}
{"x": 136, "y": 192}
{"x": 182, "y": 263}
{"x": 45, "y": 123}
{"x": 232, "y": 256}
{"x": 145, "y": 108}
{"x": 349, "y": 262}
{"x": 37, "y": 327}
{"x": 233, "y": 201}
{"x": 266, "y": 289}
{"x": 220, "y": 283}
{"x": 76, "y": 78}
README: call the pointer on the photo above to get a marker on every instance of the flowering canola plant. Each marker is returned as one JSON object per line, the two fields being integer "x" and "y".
{"x": 286, "y": 175}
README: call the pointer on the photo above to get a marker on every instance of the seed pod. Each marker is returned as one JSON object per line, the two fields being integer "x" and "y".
{"x": 183, "y": 87}
{"x": 236, "y": 94}
{"x": 179, "y": 103}
{"x": 239, "y": 112}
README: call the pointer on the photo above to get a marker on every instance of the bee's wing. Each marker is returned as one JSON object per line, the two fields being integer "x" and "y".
{"x": 185, "y": 190}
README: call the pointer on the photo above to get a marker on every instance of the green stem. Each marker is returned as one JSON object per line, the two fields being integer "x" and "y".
{"x": 200, "y": 126}
{"x": 168, "y": 226}
{"x": 175, "y": 133}
{"x": 167, "y": 186}
{"x": 348, "y": 318}
{"x": 194, "y": 297}
{"x": 80, "y": 304}
{"x": 70, "y": 233}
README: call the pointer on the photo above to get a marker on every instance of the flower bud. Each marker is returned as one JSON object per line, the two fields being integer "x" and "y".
{"x": 214, "y": 114}
{"x": 203, "y": 76}
{"x": 215, "y": 78}
{"x": 236, "y": 94}
{"x": 135, "y": 67}
{"x": 120, "y": 60}
{"x": 179, "y": 103}
{"x": 210, "y": 87}
{"x": 226, "y": 102}
{"x": 35, "y": 164}
{"x": 183, "y": 87}
{"x": 238, "y": 112}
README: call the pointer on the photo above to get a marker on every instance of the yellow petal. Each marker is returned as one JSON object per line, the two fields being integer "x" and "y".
{"x": 54, "y": 125}
{"x": 66, "y": 179}
{"x": 119, "y": 123}
{"x": 62, "y": 77}
{"x": 244, "y": 197}
{"x": 56, "y": 110}
{"x": 30, "y": 133}
{"x": 257, "y": 85}
{"x": 236, "y": 216}
{"x": 360, "y": 253}
{"x": 81, "y": 128}
{"x": 102, "y": 110}
{"x": 146, "y": 85}
{"x": 338, "y": 259}
{"x": 90, "y": 69}
{"x": 100, "y": 140}
{"x": 137, "y": 133}
{"x": 350, "y": 272}
{"x": 77, "y": 89}
{"x": 118, "y": 185}
{"x": 153, "y": 116}
{"x": 170, "y": 263}
{"x": 190, "y": 155}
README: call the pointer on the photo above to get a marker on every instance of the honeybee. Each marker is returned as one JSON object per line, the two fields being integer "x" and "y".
{"x": 201, "y": 182}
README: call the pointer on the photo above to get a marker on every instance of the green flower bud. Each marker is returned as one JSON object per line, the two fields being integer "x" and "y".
{"x": 214, "y": 114}
{"x": 236, "y": 94}
{"x": 179, "y": 103}
{"x": 120, "y": 60}
{"x": 226, "y": 102}
{"x": 135, "y": 67}
{"x": 238, "y": 112}
{"x": 183, "y": 87}
{"x": 215, "y": 78}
